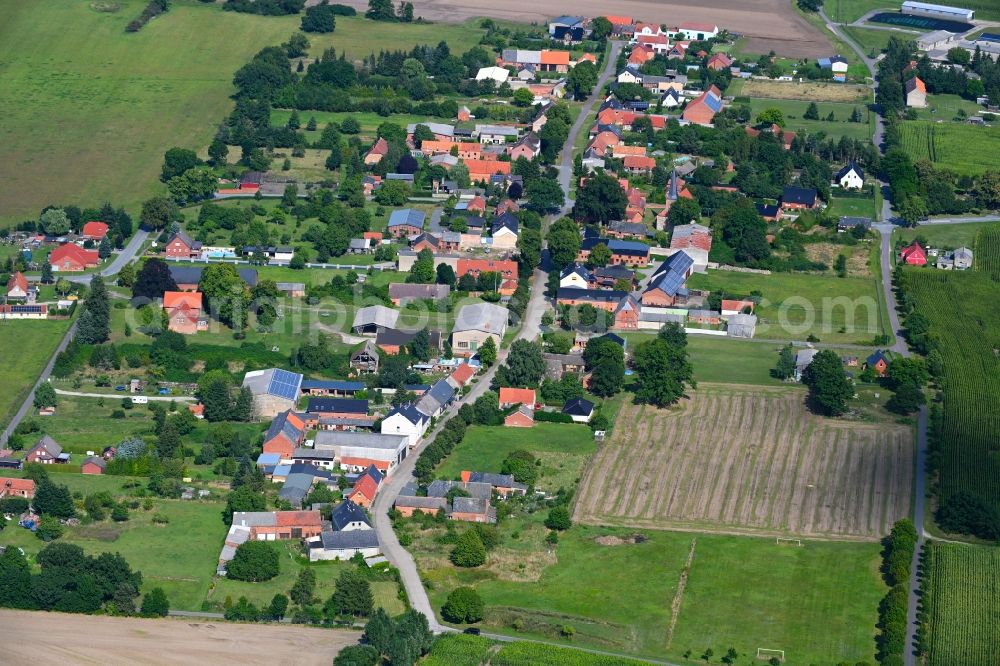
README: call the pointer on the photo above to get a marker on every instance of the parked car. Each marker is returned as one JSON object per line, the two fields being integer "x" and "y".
{"x": 119, "y": 388}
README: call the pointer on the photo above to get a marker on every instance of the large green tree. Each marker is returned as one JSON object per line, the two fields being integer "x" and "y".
{"x": 254, "y": 562}
{"x": 663, "y": 371}
{"x": 829, "y": 388}
{"x": 153, "y": 279}
{"x": 464, "y": 605}
{"x": 564, "y": 242}
{"x": 600, "y": 200}
{"x": 352, "y": 596}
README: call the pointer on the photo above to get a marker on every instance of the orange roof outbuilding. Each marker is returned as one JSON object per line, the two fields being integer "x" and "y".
{"x": 513, "y": 396}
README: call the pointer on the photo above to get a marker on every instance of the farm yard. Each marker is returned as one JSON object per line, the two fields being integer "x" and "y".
{"x": 965, "y": 149}
{"x": 962, "y": 603}
{"x": 741, "y": 459}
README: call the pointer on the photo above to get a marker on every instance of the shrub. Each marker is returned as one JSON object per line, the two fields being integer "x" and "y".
{"x": 469, "y": 550}
{"x": 254, "y": 561}
{"x": 463, "y": 605}
{"x": 558, "y": 518}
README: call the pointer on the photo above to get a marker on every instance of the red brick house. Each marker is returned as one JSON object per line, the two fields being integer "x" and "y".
{"x": 93, "y": 465}
{"x": 375, "y": 154}
{"x": 12, "y": 487}
{"x": 879, "y": 362}
{"x": 71, "y": 258}
{"x": 286, "y": 525}
{"x": 523, "y": 417}
{"x": 627, "y": 314}
{"x": 287, "y": 432}
{"x": 639, "y": 164}
{"x": 95, "y": 231}
{"x": 17, "y": 287}
{"x": 46, "y": 452}
{"x": 180, "y": 246}
{"x": 363, "y": 492}
{"x": 799, "y": 198}
{"x": 719, "y": 61}
{"x": 913, "y": 255}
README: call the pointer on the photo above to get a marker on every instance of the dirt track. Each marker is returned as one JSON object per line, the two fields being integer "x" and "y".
{"x": 767, "y": 24}
{"x": 738, "y": 459}
{"x": 57, "y": 638}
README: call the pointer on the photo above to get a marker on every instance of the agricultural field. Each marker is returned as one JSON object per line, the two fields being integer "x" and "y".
{"x": 22, "y": 363}
{"x": 618, "y": 590}
{"x": 765, "y": 464}
{"x": 795, "y": 109}
{"x": 949, "y": 236}
{"x": 968, "y": 332}
{"x": 962, "y": 603}
{"x": 816, "y": 91}
{"x": 965, "y": 149}
{"x": 796, "y": 305}
{"x": 80, "y": 91}
{"x": 987, "y": 249}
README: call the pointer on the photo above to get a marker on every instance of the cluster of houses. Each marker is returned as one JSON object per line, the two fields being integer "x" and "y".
{"x": 574, "y": 29}
{"x": 479, "y": 491}
{"x": 470, "y": 217}
{"x": 348, "y": 532}
{"x": 46, "y": 451}
{"x": 71, "y": 252}
{"x": 662, "y": 296}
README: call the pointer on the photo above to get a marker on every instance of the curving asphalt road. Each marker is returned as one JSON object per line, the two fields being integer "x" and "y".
{"x": 885, "y": 229}
{"x": 530, "y": 327}
{"x": 127, "y": 255}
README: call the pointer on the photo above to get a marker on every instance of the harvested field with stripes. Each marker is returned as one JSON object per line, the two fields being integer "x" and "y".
{"x": 749, "y": 459}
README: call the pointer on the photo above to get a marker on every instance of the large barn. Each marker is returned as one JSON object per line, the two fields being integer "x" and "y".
{"x": 274, "y": 391}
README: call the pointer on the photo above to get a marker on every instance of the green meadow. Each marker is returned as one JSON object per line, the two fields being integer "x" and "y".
{"x": 88, "y": 109}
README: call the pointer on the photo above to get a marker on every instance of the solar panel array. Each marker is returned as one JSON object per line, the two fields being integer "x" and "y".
{"x": 284, "y": 384}
{"x": 25, "y": 309}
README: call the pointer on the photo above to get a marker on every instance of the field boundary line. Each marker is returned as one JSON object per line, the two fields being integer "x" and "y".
{"x": 680, "y": 526}
{"x": 675, "y": 605}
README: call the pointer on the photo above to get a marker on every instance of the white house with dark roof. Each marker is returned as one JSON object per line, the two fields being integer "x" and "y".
{"x": 343, "y": 545}
{"x": 406, "y": 420}
{"x": 850, "y": 177}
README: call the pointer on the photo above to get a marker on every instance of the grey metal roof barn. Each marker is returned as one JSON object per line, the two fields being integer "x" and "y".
{"x": 373, "y": 318}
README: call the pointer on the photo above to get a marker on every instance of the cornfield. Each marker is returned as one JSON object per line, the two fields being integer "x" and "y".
{"x": 459, "y": 650}
{"x": 918, "y": 140}
{"x": 987, "y": 251}
{"x": 963, "y": 604}
{"x": 962, "y": 309}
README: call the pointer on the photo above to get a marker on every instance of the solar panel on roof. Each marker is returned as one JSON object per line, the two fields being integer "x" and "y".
{"x": 284, "y": 384}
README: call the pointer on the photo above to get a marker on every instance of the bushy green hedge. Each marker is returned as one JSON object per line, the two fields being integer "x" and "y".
{"x": 553, "y": 417}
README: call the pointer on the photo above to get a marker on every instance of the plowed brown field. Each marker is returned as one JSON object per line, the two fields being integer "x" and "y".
{"x": 749, "y": 459}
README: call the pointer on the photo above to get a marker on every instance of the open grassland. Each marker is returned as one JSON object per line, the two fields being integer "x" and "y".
{"x": 749, "y": 459}
{"x": 179, "y": 556}
{"x": 818, "y": 602}
{"x": 795, "y": 305}
{"x": 89, "y": 109}
{"x": 948, "y": 235}
{"x": 965, "y": 149}
{"x": 91, "y": 639}
{"x": 729, "y": 360}
{"x": 25, "y": 348}
{"x": 795, "y": 109}
{"x": 562, "y": 448}
{"x": 814, "y": 91}
{"x": 962, "y": 603}
{"x": 875, "y": 41}
{"x": 969, "y": 334}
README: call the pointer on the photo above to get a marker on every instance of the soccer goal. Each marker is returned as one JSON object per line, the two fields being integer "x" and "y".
{"x": 787, "y": 541}
{"x": 769, "y": 654}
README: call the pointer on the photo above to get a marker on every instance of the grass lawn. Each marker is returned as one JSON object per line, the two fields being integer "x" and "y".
{"x": 795, "y": 305}
{"x": 795, "y": 109}
{"x": 947, "y": 236}
{"x": 180, "y": 556}
{"x": 965, "y": 149}
{"x": 22, "y": 363}
{"x": 291, "y": 562}
{"x": 818, "y": 603}
{"x": 89, "y": 109}
{"x": 852, "y": 207}
{"x": 562, "y": 447}
{"x": 725, "y": 359}
{"x": 875, "y": 41}
{"x": 946, "y": 107}
{"x": 84, "y": 424}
